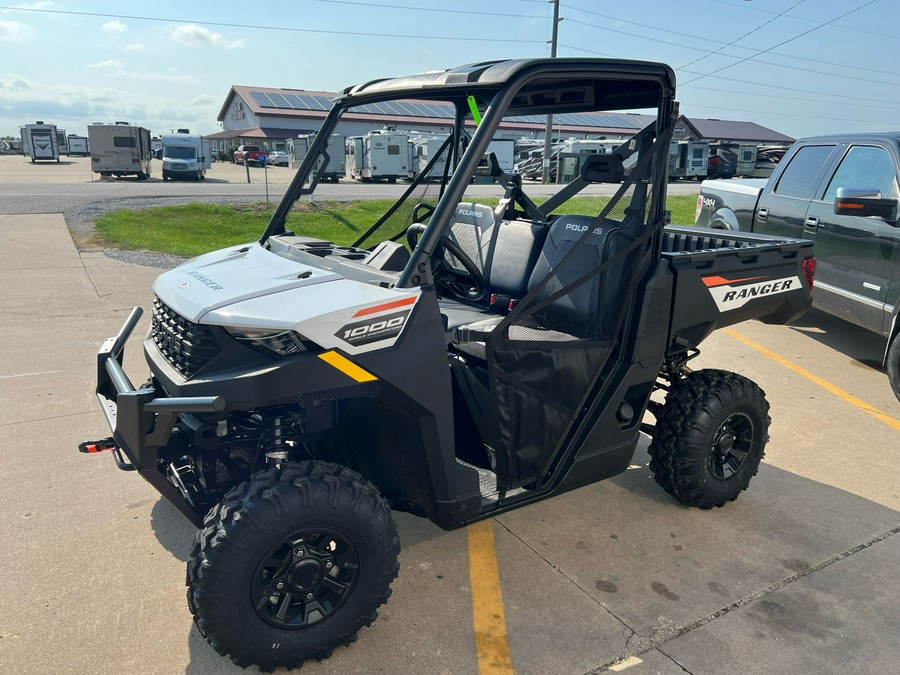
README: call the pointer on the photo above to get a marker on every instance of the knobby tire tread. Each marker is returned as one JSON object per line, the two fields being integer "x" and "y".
{"x": 242, "y": 510}
{"x": 678, "y": 459}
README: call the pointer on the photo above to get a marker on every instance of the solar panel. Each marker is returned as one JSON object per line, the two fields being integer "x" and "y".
{"x": 279, "y": 101}
{"x": 316, "y": 102}
{"x": 294, "y": 101}
{"x": 394, "y": 108}
{"x": 262, "y": 99}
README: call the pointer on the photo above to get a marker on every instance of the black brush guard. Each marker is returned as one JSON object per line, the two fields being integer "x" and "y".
{"x": 140, "y": 421}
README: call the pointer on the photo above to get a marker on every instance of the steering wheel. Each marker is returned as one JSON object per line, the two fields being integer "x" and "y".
{"x": 468, "y": 284}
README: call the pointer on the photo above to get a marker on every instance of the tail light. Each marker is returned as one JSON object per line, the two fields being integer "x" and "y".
{"x": 809, "y": 271}
{"x": 699, "y": 208}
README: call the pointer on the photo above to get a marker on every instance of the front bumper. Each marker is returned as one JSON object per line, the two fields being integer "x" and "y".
{"x": 142, "y": 422}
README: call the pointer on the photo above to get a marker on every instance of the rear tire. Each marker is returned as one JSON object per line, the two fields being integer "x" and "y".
{"x": 893, "y": 365}
{"x": 292, "y": 564}
{"x": 710, "y": 438}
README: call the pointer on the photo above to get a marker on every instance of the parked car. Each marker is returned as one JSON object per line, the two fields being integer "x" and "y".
{"x": 842, "y": 192}
{"x": 277, "y": 158}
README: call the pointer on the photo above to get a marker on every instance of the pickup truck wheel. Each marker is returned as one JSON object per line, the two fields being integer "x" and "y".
{"x": 710, "y": 438}
{"x": 292, "y": 564}
{"x": 893, "y": 365}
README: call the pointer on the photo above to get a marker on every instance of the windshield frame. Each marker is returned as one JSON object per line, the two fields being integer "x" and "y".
{"x": 504, "y": 91}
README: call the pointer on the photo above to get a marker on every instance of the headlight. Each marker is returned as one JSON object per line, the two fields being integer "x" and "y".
{"x": 282, "y": 343}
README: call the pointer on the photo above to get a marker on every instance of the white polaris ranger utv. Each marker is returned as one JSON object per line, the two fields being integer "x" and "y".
{"x": 461, "y": 359}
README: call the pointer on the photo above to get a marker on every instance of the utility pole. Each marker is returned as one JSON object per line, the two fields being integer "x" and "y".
{"x": 548, "y": 131}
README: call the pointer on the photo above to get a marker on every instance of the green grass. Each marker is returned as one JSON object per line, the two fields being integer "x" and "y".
{"x": 193, "y": 229}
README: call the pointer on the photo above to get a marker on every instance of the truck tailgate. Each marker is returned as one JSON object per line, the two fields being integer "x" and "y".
{"x": 723, "y": 278}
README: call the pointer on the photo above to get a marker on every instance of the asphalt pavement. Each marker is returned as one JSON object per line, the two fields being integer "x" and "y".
{"x": 798, "y": 575}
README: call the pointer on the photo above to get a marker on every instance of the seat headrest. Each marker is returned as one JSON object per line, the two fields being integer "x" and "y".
{"x": 474, "y": 214}
{"x": 571, "y": 228}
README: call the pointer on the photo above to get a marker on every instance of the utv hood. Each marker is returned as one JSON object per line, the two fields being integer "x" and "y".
{"x": 232, "y": 275}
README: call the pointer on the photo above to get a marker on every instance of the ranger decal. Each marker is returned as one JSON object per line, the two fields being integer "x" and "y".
{"x": 735, "y": 294}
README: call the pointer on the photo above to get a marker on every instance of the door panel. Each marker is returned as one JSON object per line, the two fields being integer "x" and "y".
{"x": 782, "y": 210}
{"x": 857, "y": 256}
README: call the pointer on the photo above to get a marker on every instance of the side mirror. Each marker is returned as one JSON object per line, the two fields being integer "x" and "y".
{"x": 849, "y": 201}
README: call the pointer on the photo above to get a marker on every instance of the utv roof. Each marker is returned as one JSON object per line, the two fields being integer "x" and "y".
{"x": 610, "y": 83}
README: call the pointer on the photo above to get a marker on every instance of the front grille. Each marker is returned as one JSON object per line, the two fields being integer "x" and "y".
{"x": 187, "y": 346}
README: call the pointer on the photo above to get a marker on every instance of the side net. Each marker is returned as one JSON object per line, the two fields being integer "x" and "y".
{"x": 551, "y": 350}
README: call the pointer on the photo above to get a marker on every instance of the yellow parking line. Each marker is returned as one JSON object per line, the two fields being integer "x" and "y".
{"x": 845, "y": 396}
{"x": 491, "y": 643}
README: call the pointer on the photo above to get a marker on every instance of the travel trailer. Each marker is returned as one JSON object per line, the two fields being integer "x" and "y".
{"x": 379, "y": 155}
{"x": 120, "y": 149}
{"x": 337, "y": 162}
{"x": 61, "y": 142}
{"x": 78, "y": 145}
{"x": 423, "y": 149}
{"x": 39, "y": 141}
{"x": 688, "y": 159}
{"x": 186, "y": 156}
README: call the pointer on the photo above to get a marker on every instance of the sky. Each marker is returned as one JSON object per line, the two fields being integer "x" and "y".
{"x": 800, "y": 67}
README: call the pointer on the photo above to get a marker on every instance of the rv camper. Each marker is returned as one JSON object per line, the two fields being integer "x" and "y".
{"x": 186, "y": 156}
{"x": 78, "y": 145}
{"x": 423, "y": 150}
{"x": 120, "y": 149}
{"x": 39, "y": 141}
{"x": 379, "y": 155}
{"x": 62, "y": 143}
{"x": 688, "y": 159}
{"x": 335, "y": 170}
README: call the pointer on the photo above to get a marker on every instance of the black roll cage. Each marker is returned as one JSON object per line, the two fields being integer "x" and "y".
{"x": 500, "y": 98}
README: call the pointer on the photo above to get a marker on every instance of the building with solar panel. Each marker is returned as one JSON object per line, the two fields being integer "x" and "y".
{"x": 268, "y": 116}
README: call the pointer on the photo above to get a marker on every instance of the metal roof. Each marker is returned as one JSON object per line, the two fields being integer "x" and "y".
{"x": 731, "y": 130}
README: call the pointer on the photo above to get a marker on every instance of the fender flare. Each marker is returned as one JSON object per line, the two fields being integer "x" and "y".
{"x": 724, "y": 219}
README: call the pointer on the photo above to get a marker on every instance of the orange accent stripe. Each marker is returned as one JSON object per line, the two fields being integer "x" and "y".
{"x": 386, "y": 306}
{"x": 721, "y": 281}
{"x": 845, "y": 205}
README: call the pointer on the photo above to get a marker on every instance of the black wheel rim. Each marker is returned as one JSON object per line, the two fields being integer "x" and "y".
{"x": 305, "y": 578}
{"x": 730, "y": 446}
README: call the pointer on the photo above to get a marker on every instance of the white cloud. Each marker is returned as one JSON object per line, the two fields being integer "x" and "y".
{"x": 193, "y": 35}
{"x": 13, "y": 31}
{"x": 13, "y": 84}
{"x": 119, "y": 69}
{"x": 115, "y": 26}
{"x": 205, "y": 100}
{"x": 45, "y": 4}
{"x": 135, "y": 47}
{"x": 112, "y": 65}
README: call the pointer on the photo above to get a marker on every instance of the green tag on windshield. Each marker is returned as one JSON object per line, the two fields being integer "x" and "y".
{"x": 474, "y": 108}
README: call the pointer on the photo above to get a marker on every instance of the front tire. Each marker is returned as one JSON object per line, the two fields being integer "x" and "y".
{"x": 710, "y": 438}
{"x": 292, "y": 564}
{"x": 893, "y": 365}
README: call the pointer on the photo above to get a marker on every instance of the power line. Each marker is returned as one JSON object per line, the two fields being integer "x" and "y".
{"x": 767, "y": 85}
{"x": 780, "y": 44}
{"x": 782, "y": 97}
{"x": 222, "y": 24}
{"x": 762, "y": 84}
{"x": 759, "y": 27}
{"x": 802, "y": 18}
{"x": 381, "y": 5}
{"x": 724, "y": 44}
{"x": 811, "y": 117}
